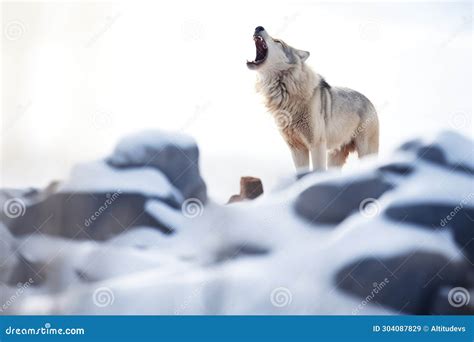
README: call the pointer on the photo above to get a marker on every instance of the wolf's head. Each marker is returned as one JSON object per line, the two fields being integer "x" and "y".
{"x": 274, "y": 55}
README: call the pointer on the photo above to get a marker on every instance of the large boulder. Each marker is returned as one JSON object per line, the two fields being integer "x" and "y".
{"x": 175, "y": 155}
{"x": 102, "y": 199}
{"x": 331, "y": 201}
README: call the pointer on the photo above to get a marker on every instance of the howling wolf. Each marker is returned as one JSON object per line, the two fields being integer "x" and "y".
{"x": 313, "y": 117}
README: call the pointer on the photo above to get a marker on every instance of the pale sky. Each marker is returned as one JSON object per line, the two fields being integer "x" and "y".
{"x": 78, "y": 76}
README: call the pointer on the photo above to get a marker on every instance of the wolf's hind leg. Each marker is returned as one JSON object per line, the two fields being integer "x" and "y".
{"x": 367, "y": 142}
{"x": 300, "y": 158}
{"x": 337, "y": 158}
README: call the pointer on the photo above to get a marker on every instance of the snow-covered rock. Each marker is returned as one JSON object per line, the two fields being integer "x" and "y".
{"x": 104, "y": 198}
{"x": 174, "y": 155}
{"x": 395, "y": 236}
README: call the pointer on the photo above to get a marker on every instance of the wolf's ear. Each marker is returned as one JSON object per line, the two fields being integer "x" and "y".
{"x": 303, "y": 55}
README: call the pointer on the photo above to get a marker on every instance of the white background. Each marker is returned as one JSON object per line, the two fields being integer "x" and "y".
{"x": 78, "y": 76}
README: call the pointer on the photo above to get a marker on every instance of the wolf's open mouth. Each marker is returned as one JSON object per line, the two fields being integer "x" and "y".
{"x": 262, "y": 50}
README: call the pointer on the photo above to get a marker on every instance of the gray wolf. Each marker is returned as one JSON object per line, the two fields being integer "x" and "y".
{"x": 314, "y": 118}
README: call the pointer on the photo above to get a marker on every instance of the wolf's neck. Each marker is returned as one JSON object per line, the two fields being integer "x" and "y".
{"x": 281, "y": 90}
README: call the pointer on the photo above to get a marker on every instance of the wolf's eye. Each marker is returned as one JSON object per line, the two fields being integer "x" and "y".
{"x": 278, "y": 42}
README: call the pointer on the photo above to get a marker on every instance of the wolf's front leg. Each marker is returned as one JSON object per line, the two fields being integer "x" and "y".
{"x": 319, "y": 156}
{"x": 300, "y": 158}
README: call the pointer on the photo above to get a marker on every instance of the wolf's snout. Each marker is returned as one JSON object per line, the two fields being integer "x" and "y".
{"x": 260, "y": 47}
{"x": 259, "y": 29}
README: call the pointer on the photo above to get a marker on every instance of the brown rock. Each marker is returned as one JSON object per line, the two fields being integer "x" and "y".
{"x": 250, "y": 188}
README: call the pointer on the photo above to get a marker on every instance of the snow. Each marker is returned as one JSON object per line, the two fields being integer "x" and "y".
{"x": 98, "y": 176}
{"x": 168, "y": 216}
{"x": 449, "y": 141}
{"x": 394, "y": 50}
{"x": 134, "y": 148}
{"x": 146, "y": 272}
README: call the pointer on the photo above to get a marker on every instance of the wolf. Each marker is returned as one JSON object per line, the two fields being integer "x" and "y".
{"x": 315, "y": 119}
